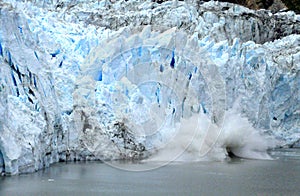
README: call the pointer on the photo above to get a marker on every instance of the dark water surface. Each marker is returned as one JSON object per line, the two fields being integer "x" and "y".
{"x": 236, "y": 177}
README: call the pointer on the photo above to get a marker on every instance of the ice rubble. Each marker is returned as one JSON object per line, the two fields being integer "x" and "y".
{"x": 52, "y": 75}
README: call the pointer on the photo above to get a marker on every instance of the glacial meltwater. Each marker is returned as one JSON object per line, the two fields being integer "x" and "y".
{"x": 280, "y": 176}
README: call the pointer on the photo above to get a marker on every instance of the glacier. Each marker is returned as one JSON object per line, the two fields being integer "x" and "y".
{"x": 107, "y": 80}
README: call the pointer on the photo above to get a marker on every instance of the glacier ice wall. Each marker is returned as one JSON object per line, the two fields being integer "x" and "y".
{"x": 52, "y": 75}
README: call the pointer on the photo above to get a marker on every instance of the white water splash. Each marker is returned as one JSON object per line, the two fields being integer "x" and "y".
{"x": 237, "y": 136}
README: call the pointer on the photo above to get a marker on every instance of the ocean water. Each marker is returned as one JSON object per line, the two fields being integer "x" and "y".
{"x": 280, "y": 176}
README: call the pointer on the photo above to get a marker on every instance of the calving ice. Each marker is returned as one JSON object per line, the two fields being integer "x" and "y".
{"x": 95, "y": 80}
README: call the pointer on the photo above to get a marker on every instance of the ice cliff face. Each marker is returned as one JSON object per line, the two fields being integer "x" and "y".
{"x": 100, "y": 80}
